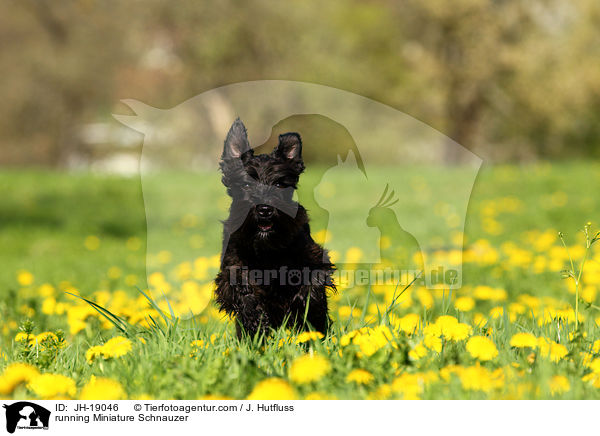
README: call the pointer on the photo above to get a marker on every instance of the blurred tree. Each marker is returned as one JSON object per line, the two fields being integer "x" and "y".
{"x": 58, "y": 61}
{"x": 507, "y": 79}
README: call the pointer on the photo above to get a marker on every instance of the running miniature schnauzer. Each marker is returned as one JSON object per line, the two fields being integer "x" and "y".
{"x": 272, "y": 272}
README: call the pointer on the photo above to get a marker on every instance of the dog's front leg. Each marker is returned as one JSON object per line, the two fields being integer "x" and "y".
{"x": 235, "y": 296}
{"x": 309, "y": 308}
{"x": 317, "y": 315}
{"x": 252, "y": 318}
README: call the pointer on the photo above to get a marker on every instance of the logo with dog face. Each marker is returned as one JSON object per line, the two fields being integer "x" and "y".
{"x": 25, "y": 415}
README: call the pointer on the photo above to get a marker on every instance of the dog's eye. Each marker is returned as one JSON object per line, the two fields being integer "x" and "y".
{"x": 279, "y": 185}
{"x": 246, "y": 186}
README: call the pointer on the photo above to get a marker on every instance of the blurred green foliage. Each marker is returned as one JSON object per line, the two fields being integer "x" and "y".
{"x": 506, "y": 79}
{"x": 47, "y": 217}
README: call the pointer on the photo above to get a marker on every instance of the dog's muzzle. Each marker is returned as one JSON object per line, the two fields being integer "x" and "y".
{"x": 264, "y": 211}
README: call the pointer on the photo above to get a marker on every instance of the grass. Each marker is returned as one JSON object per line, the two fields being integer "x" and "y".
{"x": 87, "y": 235}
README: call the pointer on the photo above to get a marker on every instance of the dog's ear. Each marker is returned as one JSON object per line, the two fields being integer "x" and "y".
{"x": 289, "y": 147}
{"x": 236, "y": 143}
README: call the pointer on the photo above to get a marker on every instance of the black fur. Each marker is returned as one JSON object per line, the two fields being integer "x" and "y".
{"x": 267, "y": 231}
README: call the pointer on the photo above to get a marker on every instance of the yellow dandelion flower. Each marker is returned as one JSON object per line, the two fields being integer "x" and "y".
{"x": 116, "y": 347}
{"x": 100, "y": 388}
{"x": 551, "y": 349}
{"x": 432, "y": 330}
{"x": 347, "y": 312}
{"x": 458, "y": 332}
{"x": 360, "y": 376}
{"x": 594, "y": 376}
{"x": 272, "y": 389}
{"x": 523, "y": 340}
{"x": 308, "y": 336}
{"x": 46, "y": 336}
{"x": 307, "y": 368}
{"x": 156, "y": 280}
{"x": 92, "y": 242}
{"x": 479, "y": 320}
{"x": 586, "y": 359}
{"x": 464, "y": 304}
{"x": 46, "y": 290}
{"x": 353, "y": 255}
{"x": 544, "y": 345}
{"x": 557, "y": 351}
{"x": 517, "y": 308}
{"x": 430, "y": 376}
{"x": 49, "y": 386}
{"x": 409, "y": 323}
{"x": 498, "y": 312}
{"x": 594, "y": 365}
{"x": 433, "y": 343}
{"x": 478, "y": 378}
{"x": 385, "y": 242}
{"x": 487, "y": 293}
{"x": 29, "y": 312}
{"x": 559, "y": 384}
{"x": 283, "y": 341}
{"x": 345, "y": 340}
{"x": 445, "y": 322}
{"x": 370, "y": 340}
{"x": 198, "y": 343}
{"x": 425, "y": 297}
{"x": 14, "y": 375}
{"x": 447, "y": 371}
{"x": 322, "y": 237}
{"x": 23, "y": 337}
{"x": 449, "y": 327}
{"x": 49, "y": 306}
{"x": 418, "y": 352}
{"x": 25, "y": 278}
{"x": 482, "y": 348}
{"x": 383, "y": 392}
{"x": 409, "y": 385}
{"x": 93, "y": 352}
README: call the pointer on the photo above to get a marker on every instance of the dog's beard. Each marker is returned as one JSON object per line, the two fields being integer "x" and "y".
{"x": 264, "y": 231}
{"x": 268, "y": 233}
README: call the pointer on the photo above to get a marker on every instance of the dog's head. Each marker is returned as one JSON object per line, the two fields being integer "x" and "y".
{"x": 261, "y": 186}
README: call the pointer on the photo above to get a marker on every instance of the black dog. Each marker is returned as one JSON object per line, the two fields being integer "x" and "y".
{"x": 272, "y": 272}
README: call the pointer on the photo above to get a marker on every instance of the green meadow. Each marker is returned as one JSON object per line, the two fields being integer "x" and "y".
{"x": 145, "y": 255}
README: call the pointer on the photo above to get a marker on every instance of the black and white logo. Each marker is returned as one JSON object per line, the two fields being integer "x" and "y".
{"x": 24, "y": 415}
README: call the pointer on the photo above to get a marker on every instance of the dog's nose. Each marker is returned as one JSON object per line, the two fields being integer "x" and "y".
{"x": 264, "y": 211}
